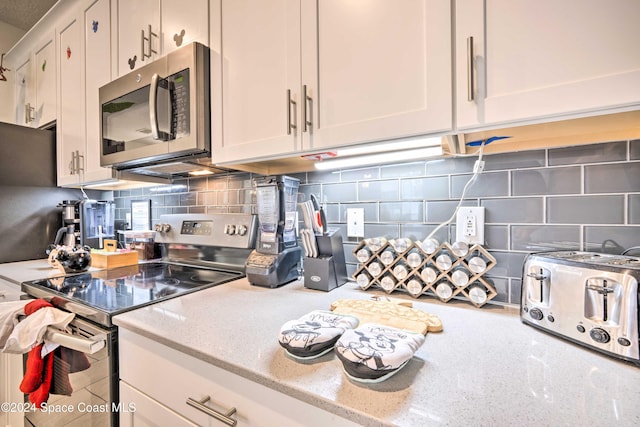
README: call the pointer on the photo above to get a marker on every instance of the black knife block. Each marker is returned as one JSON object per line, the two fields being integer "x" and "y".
{"x": 328, "y": 270}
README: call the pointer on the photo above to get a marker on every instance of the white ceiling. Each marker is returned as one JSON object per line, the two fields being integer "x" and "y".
{"x": 24, "y": 14}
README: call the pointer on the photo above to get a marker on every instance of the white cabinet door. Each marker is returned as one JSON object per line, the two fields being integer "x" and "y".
{"x": 183, "y": 23}
{"x": 70, "y": 140}
{"x": 375, "y": 69}
{"x": 24, "y": 94}
{"x": 260, "y": 88}
{"x": 545, "y": 58}
{"x": 134, "y": 40}
{"x": 45, "y": 83}
{"x": 97, "y": 72}
{"x": 146, "y": 412}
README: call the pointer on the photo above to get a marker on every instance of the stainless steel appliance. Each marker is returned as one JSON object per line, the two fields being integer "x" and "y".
{"x": 589, "y": 298}
{"x": 89, "y": 221}
{"x": 156, "y": 120}
{"x": 198, "y": 251}
{"x": 277, "y": 258}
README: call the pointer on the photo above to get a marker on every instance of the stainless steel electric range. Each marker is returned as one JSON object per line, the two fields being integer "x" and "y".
{"x": 199, "y": 251}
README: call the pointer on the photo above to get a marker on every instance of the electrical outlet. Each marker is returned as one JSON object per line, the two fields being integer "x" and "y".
{"x": 355, "y": 222}
{"x": 470, "y": 225}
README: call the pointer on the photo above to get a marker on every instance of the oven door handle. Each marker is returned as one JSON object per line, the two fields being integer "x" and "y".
{"x": 74, "y": 342}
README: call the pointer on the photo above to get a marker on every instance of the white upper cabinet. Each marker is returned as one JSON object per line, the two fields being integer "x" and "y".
{"x": 35, "y": 82}
{"x": 305, "y": 75}
{"x": 548, "y": 58}
{"x": 70, "y": 140}
{"x": 138, "y": 32}
{"x": 96, "y": 18}
{"x": 374, "y": 70}
{"x": 257, "y": 83}
{"x": 148, "y": 29}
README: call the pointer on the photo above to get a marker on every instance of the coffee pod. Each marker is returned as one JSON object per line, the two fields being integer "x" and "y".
{"x": 428, "y": 275}
{"x": 460, "y": 249}
{"x": 477, "y": 265}
{"x": 444, "y": 290}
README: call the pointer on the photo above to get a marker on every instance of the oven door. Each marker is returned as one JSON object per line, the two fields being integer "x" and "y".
{"x": 93, "y": 388}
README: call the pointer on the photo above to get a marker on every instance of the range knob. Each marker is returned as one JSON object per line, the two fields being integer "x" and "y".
{"x": 162, "y": 228}
{"x": 599, "y": 335}
{"x": 536, "y": 314}
{"x": 241, "y": 230}
{"x": 230, "y": 229}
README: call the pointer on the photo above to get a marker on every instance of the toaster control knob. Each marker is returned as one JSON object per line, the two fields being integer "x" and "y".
{"x": 599, "y": 335}
{"x": 580, "y": 329}
{"x": 623, "y": 341}
{"x": 241, "y": 230}
{"x": 536, "y": 314}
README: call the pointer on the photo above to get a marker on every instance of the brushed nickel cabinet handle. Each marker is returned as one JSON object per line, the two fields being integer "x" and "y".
{"x": 148, "y": 39}
{"x": 200, "y": 406}
{"x": 142, "y": 39}
{"x": 28, "y": 109}
{"x": 290, "y": 102}
{"x": 306, "y": 99}
{"x": 470, "y": 80}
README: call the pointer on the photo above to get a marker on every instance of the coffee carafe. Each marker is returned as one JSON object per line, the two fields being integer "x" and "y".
{"x": 277, "y": 257}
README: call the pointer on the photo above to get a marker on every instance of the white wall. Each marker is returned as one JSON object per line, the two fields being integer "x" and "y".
{"x": 9, "y": 36}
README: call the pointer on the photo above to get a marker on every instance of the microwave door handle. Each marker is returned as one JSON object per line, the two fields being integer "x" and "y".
{"x": 153, "y": 106}
{"x": 156, "y": 133}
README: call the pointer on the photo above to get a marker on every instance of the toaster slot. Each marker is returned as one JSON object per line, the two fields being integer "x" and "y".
{"x": 602, "y": 300}
{"x": 537, "y": 284}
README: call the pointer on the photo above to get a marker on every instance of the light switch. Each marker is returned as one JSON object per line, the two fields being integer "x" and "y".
{"x": 355, "y": 222}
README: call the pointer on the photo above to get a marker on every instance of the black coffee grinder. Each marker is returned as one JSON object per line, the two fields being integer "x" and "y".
{"x": 277, "y": 257}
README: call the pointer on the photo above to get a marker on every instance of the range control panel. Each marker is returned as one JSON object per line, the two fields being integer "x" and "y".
{"x": 224, "y": 230}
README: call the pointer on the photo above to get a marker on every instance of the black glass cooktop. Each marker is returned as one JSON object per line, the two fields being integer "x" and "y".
{"x": 98, "y": 295}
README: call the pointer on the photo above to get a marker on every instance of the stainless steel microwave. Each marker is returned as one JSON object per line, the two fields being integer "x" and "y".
{"x": 158, "y": 113}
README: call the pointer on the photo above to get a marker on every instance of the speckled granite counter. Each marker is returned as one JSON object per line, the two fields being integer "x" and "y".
{"x": 485, "y": 368}
{"x": 18, "y": 272}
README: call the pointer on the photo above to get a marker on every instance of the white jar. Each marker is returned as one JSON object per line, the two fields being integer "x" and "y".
{"x": 414, "y": 287}
{"x": 444, "y": 262}
{"x": 428, "y": 275}
{"x": 460, "y": 249}
{"x": 363, "y": 280}
{"x": 430, "y": 246}
{"x": 400, "y": 271}
{"x": 363, "y": 255}
{"x": 414, "y": 259}
{"x": 477, "y": 265}
{"x": 477, "y": 294}
{"x": 388, "y": 283}
{"x": 460, "y": 277}
{"x": 375, "y": 269}
{"x": 444, "y": 290}
{"x": 388, "y": 256}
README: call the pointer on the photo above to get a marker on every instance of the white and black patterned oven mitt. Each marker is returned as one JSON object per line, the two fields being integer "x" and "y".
{"x": 315, "y": 333}
{"x": 373, "y": 353}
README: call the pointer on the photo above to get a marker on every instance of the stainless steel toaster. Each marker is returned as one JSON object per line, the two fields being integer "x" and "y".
{"x": 589, "y": 298}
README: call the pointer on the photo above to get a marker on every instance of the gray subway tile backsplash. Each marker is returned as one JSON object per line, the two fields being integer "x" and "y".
{"x": 585, "y": 197}
{"x": 604, "y": 209}
{"x": 562, "y": 180}
{"x": 616, "y": 178}
{"x": 594, "y": 153}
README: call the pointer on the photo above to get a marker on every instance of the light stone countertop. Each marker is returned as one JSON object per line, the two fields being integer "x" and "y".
{"x": 484, "y": 368}
{"x": 23, "y": 271}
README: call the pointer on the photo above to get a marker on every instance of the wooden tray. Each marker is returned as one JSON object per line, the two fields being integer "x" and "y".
{"x": 104, "y": 259}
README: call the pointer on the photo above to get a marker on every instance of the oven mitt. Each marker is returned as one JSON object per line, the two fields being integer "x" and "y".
{"x": 314, "y": 334}
{"x": 372, "y": 353}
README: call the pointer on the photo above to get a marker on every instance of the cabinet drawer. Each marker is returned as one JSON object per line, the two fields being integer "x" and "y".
{"x": 171, "y": 377}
